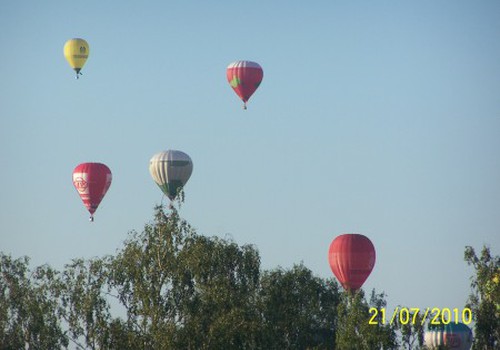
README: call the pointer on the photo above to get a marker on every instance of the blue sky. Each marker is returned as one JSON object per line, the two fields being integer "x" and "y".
{"x": 381, "y": 118}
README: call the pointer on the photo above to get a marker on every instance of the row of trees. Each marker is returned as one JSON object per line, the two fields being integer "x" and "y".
{"x": 170, "y": 288}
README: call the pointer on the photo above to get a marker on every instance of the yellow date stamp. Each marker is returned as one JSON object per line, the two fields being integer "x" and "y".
{"x": 414, "y": 315}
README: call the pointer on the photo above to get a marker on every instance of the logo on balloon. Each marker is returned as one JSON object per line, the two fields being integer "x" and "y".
{"x": 234, "y": 82}
{"x": 453, "y": 340}
{"x": 80, "y": 184}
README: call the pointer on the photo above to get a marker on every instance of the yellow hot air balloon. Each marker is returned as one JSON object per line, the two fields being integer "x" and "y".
{"x": 76, "y": 52}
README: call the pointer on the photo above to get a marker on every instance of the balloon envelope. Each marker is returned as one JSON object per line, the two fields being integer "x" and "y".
{"x": 351, "y": 258}
{"x": 244, "y": 77}
{"x": 455, "y": 336}
{"x": 92, "y": 181}
{"x": 76, "y": 52}
{"x": 171, "y": 170}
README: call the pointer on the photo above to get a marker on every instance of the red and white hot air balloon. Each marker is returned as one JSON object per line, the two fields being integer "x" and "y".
{"x": 244, "y": 77}
{"x": 92, "y": 181}
{"x": 351, "y": 257}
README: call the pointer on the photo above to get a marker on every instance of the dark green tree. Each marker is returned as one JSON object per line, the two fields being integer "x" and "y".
{"x": 298, "y": 310}
{"x": 142, "y": 277}
{"x": 412, "y": 330}
{"x": 86, "y": 306}
{"x": 29, "y": 311}
{"x": 184, "y": 290}
{"x": 485, "y": 298}
{"x": 220, "y": 308}
{"x": 168, "y": 287}
{"x": 354, "y": 330}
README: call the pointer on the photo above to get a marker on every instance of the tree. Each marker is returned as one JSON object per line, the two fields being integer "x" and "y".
{"x": 183, "y": 290}
{"x": 412, "y": 330}
{"x": 298, "y": 310}
{"x": 28, "y": 307}
{"x": 168, "y": 287}
{"x": 221, "y": 308}
{"x": 141, "y": 277}
{"x": 82, "y": 287}
{"x": 354, "y": 330}
{"x": 484, "y": 300}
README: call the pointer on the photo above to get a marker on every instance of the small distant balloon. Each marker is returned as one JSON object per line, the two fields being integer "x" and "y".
{"x": 244, "y": 77}
{"x": 171, "y": 170}
{"x": 453, "y": 336}
{"x": 352, "y": 258}
{"x": 76, "y": 52}
{"x": 92, "y": 181}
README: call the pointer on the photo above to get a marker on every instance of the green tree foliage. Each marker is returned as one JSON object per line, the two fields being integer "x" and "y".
{"x": 298, "y": 310}
{"x": 168, "y": 287}
{"x": 86, "y": 309}
{"x": 485, "y": 298}
{"x": 412, "y": 330}
{"x": 355, "y": 332}
{"x": 29, "y": 312}
{"x": 143, "y": 277}
{"x": 183, "y": 290}
{"x": 223, "y": 281}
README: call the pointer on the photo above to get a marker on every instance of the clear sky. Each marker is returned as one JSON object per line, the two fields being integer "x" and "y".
{"x": 374, "y": 117}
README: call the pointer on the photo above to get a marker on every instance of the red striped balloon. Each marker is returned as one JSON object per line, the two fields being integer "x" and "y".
{"x": 351, "y": 257}
{"x": 92, "y": 181}
{"x": 244, "y": 77}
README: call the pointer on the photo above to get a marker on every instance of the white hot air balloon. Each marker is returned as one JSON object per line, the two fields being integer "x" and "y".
{"x": 171, "y": 170}
{"x": 455, "y": 336}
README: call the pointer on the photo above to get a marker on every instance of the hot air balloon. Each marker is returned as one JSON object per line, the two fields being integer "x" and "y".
{"x": 244, "y": 77}
{"x": 351, "y": 258}
{"x": 92, "y": 181}
{"x": 455, "y": 336}
{"x": 76, "y": 52}
{"x": 171, "y": 170}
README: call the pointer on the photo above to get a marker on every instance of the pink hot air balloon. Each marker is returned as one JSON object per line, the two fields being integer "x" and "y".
{"x": 351, "y": 258}
{"x": 92, "y": 181}
{"x": 244, "y": 77}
